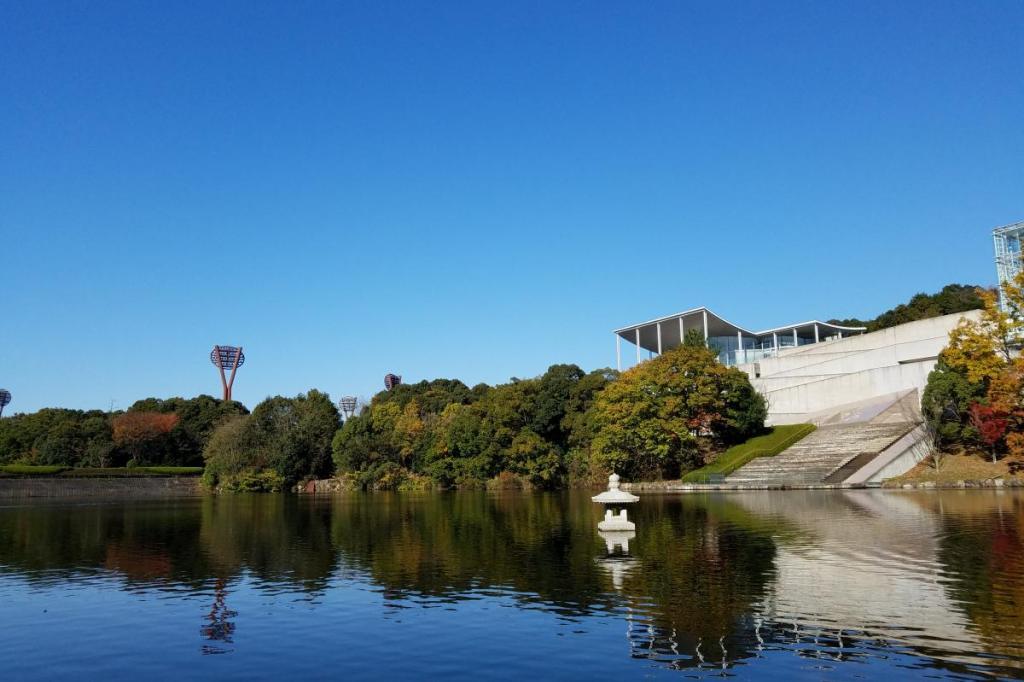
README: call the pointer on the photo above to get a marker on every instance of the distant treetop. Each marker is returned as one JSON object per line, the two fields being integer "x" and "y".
{"x": 954, "y": 298}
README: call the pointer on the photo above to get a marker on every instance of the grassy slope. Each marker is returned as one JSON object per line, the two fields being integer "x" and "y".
{"x": 33, "y": 470}
{"x": 768, "y": 445}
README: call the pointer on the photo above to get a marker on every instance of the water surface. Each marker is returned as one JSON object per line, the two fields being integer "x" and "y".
{"x": 772, "y": 585}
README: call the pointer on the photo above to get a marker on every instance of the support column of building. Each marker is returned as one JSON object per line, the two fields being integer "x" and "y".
{"x": 682, "y": 331}
{"x": 618, "y": 352}
{"x": 816, "y": 332}
{"x": 705, "y": 328}
{"x": 739, "y": 345}
{"x": 775, "y": 342}
{"x": 638, "y": 345}
{"x": 659, "y": 338}
{"x": 796, "y": 339}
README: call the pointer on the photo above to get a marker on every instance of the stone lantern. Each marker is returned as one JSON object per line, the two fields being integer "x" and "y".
{"x": 614, "y": 501}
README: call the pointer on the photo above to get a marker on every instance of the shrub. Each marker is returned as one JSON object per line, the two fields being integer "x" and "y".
{"x": 266, "y": 481}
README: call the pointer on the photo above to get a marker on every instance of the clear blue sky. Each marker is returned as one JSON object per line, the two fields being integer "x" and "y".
{"x": 476, "y": 190}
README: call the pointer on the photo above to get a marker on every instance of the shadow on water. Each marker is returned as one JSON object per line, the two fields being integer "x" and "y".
{"x": 914, "y": 581}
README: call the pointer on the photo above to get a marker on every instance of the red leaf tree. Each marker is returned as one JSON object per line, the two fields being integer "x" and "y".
{"x": 991, "y": 424}
{"x": 135, "y": 431}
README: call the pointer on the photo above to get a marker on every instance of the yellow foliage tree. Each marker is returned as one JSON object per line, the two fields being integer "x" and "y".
{"x": 409, "y": 428}
{"x": 983, "y": 349}
{"x": 988, "y": 352}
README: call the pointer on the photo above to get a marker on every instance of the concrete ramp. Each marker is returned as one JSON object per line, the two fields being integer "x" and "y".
{"x": 861, "y": 442}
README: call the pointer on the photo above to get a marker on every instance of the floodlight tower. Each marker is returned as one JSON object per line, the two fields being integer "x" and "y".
{"x": 5, "y": 400}
{"x": 227, "y": 358}
{"x": 348, "y": 406}
{"x": 391, "y": 380}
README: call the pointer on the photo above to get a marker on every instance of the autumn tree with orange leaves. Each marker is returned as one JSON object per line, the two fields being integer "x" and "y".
{"x": 976, "y": 392}
{"x": 137, "y": 432}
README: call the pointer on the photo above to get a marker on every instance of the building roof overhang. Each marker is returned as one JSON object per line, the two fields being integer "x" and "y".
{"x": 717, "y": 326}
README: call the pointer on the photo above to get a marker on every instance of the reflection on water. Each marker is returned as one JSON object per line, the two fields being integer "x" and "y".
{"x": 767, "y": 584}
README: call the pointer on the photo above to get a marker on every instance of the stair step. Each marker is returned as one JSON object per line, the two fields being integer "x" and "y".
{"x": 819, "y": 455}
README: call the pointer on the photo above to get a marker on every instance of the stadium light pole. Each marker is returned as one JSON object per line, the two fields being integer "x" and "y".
{"x": 227, "y": 358}
{"x": 5, "y": 400}
{"x": 348, "y": 406}
{"x": 391, "y": 380}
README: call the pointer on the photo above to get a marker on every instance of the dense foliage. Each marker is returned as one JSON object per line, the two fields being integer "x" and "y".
{"x": 283, "y": 441}
{"x": 954, "y": 298}
{"x": 152, "y": 432}
{"x": 529, "y": 431}
{"x": 671, "y": 414}
{"x": 975, "y": 394}
{"x": 664, "y": 417}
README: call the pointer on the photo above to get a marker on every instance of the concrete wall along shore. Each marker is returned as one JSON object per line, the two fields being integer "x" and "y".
{"x": 110, "y": 487}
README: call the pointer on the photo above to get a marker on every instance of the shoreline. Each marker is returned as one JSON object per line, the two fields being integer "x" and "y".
{"x": 668, "y": 487}
{"x": 23, "y": 487}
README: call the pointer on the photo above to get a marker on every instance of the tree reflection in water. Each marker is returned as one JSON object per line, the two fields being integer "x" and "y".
{"x": 218, "y": 626}
{"x": 706, "y": 582}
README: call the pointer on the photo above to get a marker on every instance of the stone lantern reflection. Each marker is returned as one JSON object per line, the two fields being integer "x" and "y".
{"x": 614, "y": 500}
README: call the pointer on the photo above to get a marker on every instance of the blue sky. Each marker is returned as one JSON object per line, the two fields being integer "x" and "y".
{"x": 476, "y": 190}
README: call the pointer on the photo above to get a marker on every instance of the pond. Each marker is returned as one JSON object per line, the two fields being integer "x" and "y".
{"x": 766, "y": 585}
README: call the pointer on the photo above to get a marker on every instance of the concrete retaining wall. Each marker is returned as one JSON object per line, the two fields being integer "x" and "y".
{"x": 897, "y": 459}
{"x": 817, "y": 377}
{"x": 113, "y": 487}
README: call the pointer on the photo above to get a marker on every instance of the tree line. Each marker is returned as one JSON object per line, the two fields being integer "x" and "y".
{"x": 152, "y": 432}
{"x": 658, "y": 420}
{"x": 953, "y": 298}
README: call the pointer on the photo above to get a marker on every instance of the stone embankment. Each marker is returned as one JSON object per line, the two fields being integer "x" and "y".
{"x": 100, "y": 487}
{"x": 985, "y": 483}
{"x": 680, "y": 487}
{"x": 326, "y": 485}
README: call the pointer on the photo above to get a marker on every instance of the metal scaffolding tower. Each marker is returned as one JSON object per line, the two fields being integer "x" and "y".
{"x": 1008, "y": 253}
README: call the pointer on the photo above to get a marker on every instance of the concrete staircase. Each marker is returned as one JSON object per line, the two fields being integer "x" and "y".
{"x": 820, "y": 456}
{"x": 859, "y": 442}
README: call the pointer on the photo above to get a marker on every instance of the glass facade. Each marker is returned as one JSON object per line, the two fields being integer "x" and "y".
{"x": 1008, "y": 253}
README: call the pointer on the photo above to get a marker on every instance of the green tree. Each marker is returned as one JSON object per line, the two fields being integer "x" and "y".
{"x": 289, "y": 438}
{"x": 953, "y": 298}
{"x": 946, "y": 404}
{"x": 663, "y": 416}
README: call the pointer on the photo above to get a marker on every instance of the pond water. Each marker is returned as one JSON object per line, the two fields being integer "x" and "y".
{"x": 772, "y": 585}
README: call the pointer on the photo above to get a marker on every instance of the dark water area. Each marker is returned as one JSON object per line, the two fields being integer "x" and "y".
{"x": 766, "y": 585}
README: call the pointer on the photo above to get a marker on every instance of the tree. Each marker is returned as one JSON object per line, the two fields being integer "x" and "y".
{"x": 953, "y": 298}
{"x": 139, "y": 432}
{"x": 991, "y": 424}
{"x": 946, "y": 404}
{"x": 535, "y": 459}
{"x": 554, "y": 389}
{"x": 978, "y": 383}
{"x": 662, "y": 416}
{"x": 289, "y": 438}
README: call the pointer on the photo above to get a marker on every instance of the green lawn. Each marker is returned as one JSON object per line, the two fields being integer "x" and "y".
{"x": 768, "y": 445}
{"x": 34, "y": 470}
